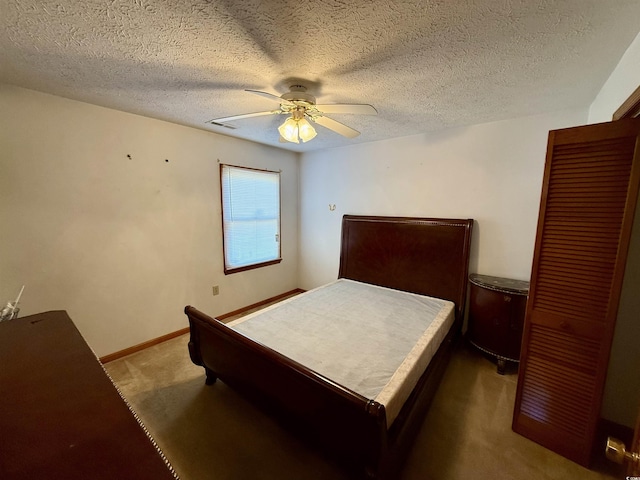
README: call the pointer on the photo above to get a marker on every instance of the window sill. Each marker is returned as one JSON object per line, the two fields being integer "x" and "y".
{"x": 228, "y": 271}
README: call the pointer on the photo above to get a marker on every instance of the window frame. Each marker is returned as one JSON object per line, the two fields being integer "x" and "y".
{"x": 227, "y": 269}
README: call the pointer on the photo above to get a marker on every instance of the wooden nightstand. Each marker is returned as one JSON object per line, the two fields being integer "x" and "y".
{"x": 496, "y": 316}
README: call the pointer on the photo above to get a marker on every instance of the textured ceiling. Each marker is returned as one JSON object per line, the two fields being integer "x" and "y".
{"x": 424, "y": 65}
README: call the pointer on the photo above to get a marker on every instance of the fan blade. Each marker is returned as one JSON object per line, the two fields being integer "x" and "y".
{"x": 357, "y": 109}
{"x": 223, "y": 120}
{"x": 337, "y": 127}
{"x": 270, "y": 96}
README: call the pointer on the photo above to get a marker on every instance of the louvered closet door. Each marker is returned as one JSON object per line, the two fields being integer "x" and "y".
{"x": 586, "y": 213}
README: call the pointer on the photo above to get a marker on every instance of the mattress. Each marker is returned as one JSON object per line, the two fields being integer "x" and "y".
{"x": 373, "y": 340}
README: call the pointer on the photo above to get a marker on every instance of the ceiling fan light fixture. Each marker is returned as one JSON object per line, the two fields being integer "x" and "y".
{"x": 289, "y": 130}
{"x": 305, "y": 130}
{"x": 301, "y": 108}
{"x": 296, "y": 129}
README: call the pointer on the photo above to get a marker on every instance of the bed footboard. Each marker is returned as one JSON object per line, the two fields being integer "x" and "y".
{"x": 352, "y": 427}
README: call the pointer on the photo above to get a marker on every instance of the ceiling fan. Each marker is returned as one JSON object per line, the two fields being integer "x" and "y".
{"x": 302, "y": 108}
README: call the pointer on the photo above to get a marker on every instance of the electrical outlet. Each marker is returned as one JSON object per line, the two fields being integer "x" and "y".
{"x": 216, "y": 290}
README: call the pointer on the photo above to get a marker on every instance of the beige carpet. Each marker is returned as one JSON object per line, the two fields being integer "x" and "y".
{"x": 212, "y": 433}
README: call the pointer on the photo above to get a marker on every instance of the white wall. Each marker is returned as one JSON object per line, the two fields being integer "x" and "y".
{"x": 123, "y": 244}
{"x": 622, "y": 390}
{"x": 490, "y": 172}
{"x": 621, "y": 84}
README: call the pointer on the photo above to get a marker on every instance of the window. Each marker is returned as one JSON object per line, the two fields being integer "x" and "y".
{"x": 250, "y": 217}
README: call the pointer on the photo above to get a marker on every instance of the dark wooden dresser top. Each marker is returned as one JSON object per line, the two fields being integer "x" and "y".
{"x": 61, "y": 417}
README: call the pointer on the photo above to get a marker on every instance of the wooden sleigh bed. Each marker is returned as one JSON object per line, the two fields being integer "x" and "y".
{"x": 423, "y": 256}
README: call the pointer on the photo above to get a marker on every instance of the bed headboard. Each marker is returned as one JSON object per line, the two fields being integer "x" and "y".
{"x": 429, "y": 256}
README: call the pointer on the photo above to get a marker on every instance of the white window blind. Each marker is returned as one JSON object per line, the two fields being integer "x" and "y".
{"x": 250, "y": 217}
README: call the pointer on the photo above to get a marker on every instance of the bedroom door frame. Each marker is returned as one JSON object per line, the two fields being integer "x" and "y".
{"x": 615, "y": 449}
{"x": 630, "y": 108}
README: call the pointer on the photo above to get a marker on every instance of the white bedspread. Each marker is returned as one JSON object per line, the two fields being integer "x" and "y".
{"x": 373, "y": 340}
